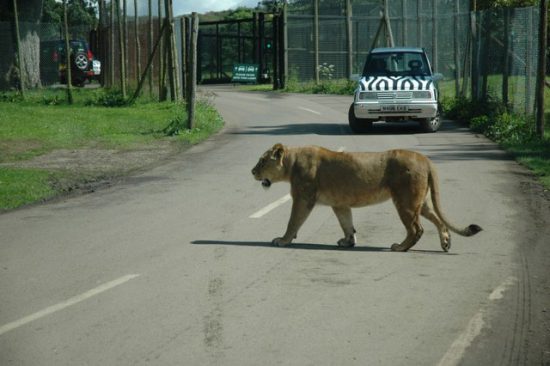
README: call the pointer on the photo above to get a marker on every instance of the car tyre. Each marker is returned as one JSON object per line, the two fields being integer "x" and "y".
{"x": 431, "y": 124}
{"x": 358, "y": 125}
{"x": 80, "y": 60}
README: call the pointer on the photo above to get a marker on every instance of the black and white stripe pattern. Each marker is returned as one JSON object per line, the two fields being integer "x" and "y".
{"x": 377, "y": 83}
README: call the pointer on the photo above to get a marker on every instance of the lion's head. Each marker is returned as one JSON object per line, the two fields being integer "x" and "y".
{"x": 270, "y": 167}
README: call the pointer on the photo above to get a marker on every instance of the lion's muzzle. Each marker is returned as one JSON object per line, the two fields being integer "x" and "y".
{"x": 266, "y": 183}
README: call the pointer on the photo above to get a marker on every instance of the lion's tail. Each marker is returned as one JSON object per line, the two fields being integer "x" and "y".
{"x": 433, "y": 181}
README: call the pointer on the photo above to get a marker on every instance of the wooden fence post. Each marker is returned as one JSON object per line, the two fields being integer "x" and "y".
{"x": 112, "y": 46}
{"x": 316, "y": 39}
{"x": 184, "y": 64}
{"x": 68, "y": 65}
{"x": 122, "y": 58}
{"x": 18, "y": 62}
{"x": 349, "y": 38}
{"x": 284, "y": 48}
{"x": 149, "y": 64}
{"x": 192, "y": 71}
{"x": 150, "y": 44}
{"x": 541, "y": 69}
{"x": 137, "y": 44}
{"x": 456, "y": 49}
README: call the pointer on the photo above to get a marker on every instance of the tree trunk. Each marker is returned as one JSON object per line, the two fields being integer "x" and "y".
{"x": 30, "y": 58}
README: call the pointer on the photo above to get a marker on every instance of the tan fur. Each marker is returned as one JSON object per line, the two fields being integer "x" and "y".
{"x": 347, "y": 180}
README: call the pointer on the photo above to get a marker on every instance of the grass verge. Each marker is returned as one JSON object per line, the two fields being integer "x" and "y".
{"x": 44, "y": 123}
{"x": 22, "y": 186}
{"x": 535, "y": 155}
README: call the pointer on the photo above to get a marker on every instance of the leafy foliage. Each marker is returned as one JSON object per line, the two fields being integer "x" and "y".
{"x": 505, "y": 127}
{"x": 465, "y": 109}
{"x": 107, "y": 98}
{"x": 79, "y": 12}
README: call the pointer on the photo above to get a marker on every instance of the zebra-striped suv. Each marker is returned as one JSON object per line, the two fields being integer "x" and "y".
{"x": 397, "y": 84}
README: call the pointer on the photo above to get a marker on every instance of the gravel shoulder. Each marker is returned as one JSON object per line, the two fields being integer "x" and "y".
{"x": 85, "y": 170}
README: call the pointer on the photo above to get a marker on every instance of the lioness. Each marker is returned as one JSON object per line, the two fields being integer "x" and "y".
{"x": 344, "y": 180}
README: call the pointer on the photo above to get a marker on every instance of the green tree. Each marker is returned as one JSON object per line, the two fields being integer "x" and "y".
{"x": 80, "y": 13}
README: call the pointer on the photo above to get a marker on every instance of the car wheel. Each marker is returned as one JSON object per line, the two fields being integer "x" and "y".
{"x": 431, "y": 124}
{"x": 81, "y": 61}
{"x": 358, "y": 125}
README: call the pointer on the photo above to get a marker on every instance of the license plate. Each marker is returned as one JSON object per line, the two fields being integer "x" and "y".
{"x": 394, "y": 108}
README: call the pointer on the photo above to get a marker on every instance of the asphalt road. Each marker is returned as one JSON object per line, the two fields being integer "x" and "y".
{"x": 174, "y": 266}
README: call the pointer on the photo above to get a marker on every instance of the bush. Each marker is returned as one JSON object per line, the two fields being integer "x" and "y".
{"x": 491, "y": 118}
{"x": 107, "y": 98}
{"x": 506, "y": 127}
{"x": 466, "y": 110}
{"x": 511, "y": 128}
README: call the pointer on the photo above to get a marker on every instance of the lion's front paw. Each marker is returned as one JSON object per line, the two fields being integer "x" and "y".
{"x": 280, "y": 242}
{"x": 347, "y": 242}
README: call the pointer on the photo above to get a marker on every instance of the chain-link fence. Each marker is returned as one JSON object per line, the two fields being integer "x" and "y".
{"x": 487, "y": 53}
{"x": 42, "y": 53}
{"x": 481, "y": 54}
{"x": 504, "y": 56}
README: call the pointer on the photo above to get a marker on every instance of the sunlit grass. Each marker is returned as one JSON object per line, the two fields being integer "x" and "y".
{"x": 44, "y": 122}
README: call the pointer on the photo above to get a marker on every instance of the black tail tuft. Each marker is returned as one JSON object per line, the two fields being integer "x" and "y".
{"x": 474, "y": 229}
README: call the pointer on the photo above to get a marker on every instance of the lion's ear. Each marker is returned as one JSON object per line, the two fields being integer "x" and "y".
{"x": 278, "y": 152}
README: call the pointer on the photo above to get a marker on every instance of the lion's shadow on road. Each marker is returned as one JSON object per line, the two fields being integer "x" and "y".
{"x": 306, "y": 246}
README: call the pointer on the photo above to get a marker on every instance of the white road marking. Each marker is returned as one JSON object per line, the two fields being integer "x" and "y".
{"x": 270, "y": 207}
{"x": 65, "y": 304}
{"x": 455, "y": 353}
{"x": 310, "y": 110}
{"x": 498, "y": 293}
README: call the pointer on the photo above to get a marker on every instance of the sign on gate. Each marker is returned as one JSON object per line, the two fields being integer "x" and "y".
{"x": 245, "y": 73}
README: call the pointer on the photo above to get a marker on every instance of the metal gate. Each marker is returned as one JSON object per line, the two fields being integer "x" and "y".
{"x": 224, "y": 44}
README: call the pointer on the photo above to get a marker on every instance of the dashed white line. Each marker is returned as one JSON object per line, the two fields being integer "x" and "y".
{"x": 65, "y": 304}
{"x": 455, "y": 353}
{"x": 310, "y": 110}
{"x": 498, "y": 293}
{"x": 271, "y": 206}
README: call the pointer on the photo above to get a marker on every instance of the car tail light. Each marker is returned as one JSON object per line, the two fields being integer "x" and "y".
{"x": 90, "y": 55}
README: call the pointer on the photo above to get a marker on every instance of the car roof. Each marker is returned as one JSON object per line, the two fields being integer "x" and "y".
{"x": 396, "y": 49}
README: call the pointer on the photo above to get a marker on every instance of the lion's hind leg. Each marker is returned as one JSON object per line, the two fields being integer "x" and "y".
{"x": 444, "y": 234}
{"x": 414, "y": 232}
{"x": 409, "y": 209}
{"x": 345, "y": 219}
